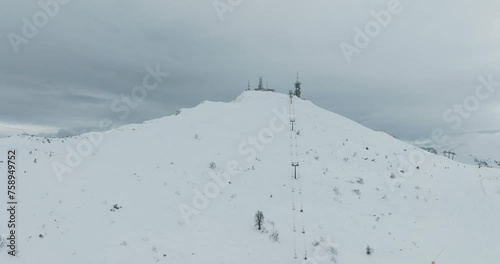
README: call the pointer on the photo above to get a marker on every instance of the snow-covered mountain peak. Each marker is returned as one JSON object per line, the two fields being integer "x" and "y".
{"x": 185, "y": 189}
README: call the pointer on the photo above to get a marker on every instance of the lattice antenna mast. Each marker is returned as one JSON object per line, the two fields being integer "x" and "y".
{"x": 297, "y": 86}
{"x": 261, "y": 85}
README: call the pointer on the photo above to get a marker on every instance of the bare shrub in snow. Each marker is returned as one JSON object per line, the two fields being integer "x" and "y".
{"x": 212, "y": 165}
{"x": 360, "y": 180}
{"x": 275, "y": 236}
{"x": 332, "y": 250}
{"x": 369, "y": 250}
{"x": 482, "y": 163}
{"x": 336, "y": 190}
{"x": 324, "y": 249}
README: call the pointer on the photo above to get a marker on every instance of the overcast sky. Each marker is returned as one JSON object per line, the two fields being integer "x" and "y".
{"x": 63, "y": 80}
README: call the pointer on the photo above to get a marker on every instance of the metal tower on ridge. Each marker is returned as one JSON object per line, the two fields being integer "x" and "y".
{"x": 261, "y": 85}
{"x": 297, "y": 86}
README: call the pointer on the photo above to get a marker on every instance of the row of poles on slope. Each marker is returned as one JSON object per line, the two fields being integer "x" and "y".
{"x": 296, "y": 184}
{"x": 299, "y": 228}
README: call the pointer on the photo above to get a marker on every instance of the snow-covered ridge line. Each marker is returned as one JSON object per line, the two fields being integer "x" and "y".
{"x": 121, "y": 203}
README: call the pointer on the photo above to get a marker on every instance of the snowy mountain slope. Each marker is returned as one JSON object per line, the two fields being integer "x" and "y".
{"x": 356, "y": 186}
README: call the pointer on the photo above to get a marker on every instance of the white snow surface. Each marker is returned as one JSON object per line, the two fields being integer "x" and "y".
{"x": 148, "y": 170}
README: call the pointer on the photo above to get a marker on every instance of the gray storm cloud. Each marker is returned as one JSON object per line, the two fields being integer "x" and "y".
{"x": 421, "y": 63}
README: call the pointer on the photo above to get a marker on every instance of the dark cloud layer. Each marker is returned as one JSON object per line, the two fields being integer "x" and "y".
{"x": 65, "y": 79}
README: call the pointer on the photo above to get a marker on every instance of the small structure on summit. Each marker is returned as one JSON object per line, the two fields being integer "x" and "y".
{"x": 261, "y": 87}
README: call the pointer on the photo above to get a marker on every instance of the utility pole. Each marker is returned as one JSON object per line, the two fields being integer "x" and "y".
{"x": 292, "y": 121}
{"x": 295, "y": 165}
